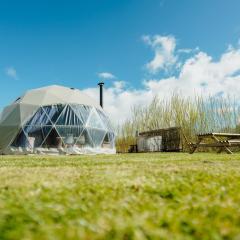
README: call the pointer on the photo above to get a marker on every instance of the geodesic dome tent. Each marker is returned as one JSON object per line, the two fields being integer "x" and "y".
{"x": 55, "y": 120}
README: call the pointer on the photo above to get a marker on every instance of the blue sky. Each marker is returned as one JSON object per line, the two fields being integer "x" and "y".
{"x": 71, "y": 42}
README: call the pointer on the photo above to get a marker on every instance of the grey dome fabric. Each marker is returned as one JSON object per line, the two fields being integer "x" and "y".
{"x": 58, "y": 119}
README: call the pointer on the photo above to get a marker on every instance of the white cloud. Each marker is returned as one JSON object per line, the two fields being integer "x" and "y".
{"x": 198, "y": 74}
{"x": 185, "y": 50}
{"x": 106, "y": 75}
{"x": 119, "y": 85}
{"x": 11, "y": 72}
{"x": 164, "y": 52}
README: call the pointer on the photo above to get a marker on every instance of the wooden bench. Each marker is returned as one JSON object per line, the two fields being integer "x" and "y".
{"x": 222, "y": 141}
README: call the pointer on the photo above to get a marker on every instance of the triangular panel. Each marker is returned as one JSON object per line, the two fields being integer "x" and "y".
{"x": 37, "y": 134}
{"x": 8, "y": 134}
{"x": 84, "y": 140}
{"x": 21, "y": 140}
{"x": 50, "y": 98}
{"x": 27, "y": 110}
{"x": 34, "y": 97}
{"x": 68, "y": 118}
{"x": 95, "y": 121}
{"x": 105, "y": 120}
{"x": 97, "y": 136}
{"x": 81, "y": 111}
{"x": 39, "y": 118}
{"x": 7, "y": 111}
{"x": 69, "y": 134}
{"x": 11, "y": 116}
{"x": 53, "y": 112}
{"x": 52, "y": 139}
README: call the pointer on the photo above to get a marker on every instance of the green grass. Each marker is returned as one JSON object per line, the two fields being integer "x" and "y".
{"x": 129, "y": 196}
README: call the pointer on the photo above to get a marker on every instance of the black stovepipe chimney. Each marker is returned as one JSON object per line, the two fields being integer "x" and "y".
{"x": 101, "y": 93}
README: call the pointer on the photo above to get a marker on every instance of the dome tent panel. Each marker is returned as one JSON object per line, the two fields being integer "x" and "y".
{"x": 38, "y": 133}
{"x": 8, "y": 133}
{"x": 68, "y": 117}
{"x": 109, "y": 140}
{"x": 85, "y": 140}
{"x": 27, "y": 111}
{"x": 105, "y": 120}
{"x": 97, "y": 136}
{"x": 69, "y": 134}
{"x": 34, "y": 97}
{"x": 62, "y": 95}
{"x": 82, "y": 111}
{"x": 53, "y": 111}
{"x": 21, "y": 140}
{"x": 10, "y": 125}
{"x": 46, "y": 130}
{"x": 39, "y": 118}
{"x": 51, "y": 99}
{"x": 12, "y": 116}
{"x": 52, "y": 139}
{"x": 94, "y": 121}
{"x": 6, "y": 112}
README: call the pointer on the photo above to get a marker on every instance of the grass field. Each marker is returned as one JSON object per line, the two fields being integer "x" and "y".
{"x": 129, "y": 196}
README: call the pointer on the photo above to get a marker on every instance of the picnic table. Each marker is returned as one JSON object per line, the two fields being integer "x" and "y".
{"x": 221, "y": 141}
